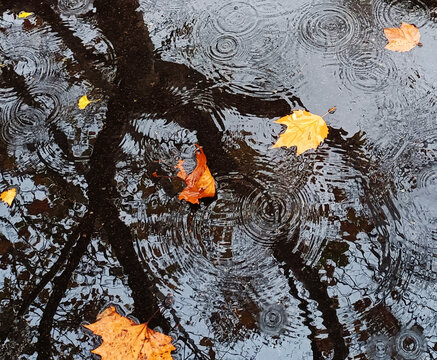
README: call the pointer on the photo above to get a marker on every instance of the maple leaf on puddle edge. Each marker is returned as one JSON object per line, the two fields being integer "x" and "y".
{"x": 199, "y": 183}
{"x": 403, "y": 38}
{"x": 124, "y": 339}
{"x": 304, "y": 130}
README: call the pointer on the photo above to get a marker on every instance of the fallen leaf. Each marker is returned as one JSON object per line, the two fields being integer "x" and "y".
{"x": 124, "y": 339}
{"x": 8, "y": 196}
{"x": 84, "y": 102}
{"x": 24, "y": 14}
{"x": 200, "y": 182}
{"x": 304, "y": 130}
{"x": 332, "y": 110}
{"x": 403, "y": 38}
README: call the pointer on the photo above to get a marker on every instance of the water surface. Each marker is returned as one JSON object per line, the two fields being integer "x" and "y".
{"x": 329, "y": 255}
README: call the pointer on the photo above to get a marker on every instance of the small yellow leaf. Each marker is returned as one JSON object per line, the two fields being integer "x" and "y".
{"x": 84, "y": 102}
{"x": 24, "y": 14}
{"x": 304, "y": 130}
{"x": 8, "y": 196}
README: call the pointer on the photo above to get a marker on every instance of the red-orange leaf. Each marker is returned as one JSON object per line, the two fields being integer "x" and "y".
{"x": 403, "y": 38}
{"x": 200, "y": 182}
{"x": 124, "y": 339}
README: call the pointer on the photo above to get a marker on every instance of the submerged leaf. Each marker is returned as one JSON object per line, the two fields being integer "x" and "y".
{"x": 8, "y": 196}
{"x": 304, "y": 130}
{"x": 403, "y": 38}
{"x": 200, "y": 183}
{"x": 84, "y": 102}
{"x": 124, "y": 339}
{"x": 24, "y": 14}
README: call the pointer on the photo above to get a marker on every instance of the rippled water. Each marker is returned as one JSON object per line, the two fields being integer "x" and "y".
{"x": 329, "y": 255}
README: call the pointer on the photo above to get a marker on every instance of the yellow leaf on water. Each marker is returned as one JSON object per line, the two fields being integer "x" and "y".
{"x": 8, "y": 196}
{"x": 24, "y": 14}
{"x": 403, "y": 38}
{"x": 304, "y": 130}
{"x": 124, "y": 339}
{"x": 84, "y": 102}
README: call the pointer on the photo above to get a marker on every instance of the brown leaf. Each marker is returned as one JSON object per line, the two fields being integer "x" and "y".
{"x": 403, "y": 38}
{"x": 304, "y": 130}
{"x": 124, "y": 339}
{"x": 200, "y": 182}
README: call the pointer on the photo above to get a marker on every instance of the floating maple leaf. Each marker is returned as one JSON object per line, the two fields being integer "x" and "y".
{"x": 200, "y": 182}
{"x": 8, "y": 196}
{"x": 84, "y": 102}
{"x": 403, "y": 38}
{"x": 124, "y": 339}
{"x": 304, "y": 130}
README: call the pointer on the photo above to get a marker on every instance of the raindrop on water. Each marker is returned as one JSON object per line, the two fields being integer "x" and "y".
{"x": 272, "y": 319}
{"x": 75, "y": 7}
{"x": 409, "y": 344}
{"x": 379, "y": 348}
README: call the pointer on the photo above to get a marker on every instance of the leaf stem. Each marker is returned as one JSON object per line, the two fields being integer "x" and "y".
{"x": 330, "y": 111}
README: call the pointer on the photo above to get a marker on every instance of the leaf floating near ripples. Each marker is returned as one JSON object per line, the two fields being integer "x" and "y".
{"x": 200, "y": 183}
{"x": 124, "y": 339}
{"x": 24, "y": 14}
{"x": 304, "y": 130}
{"x": 8, "y": 196}
{"x": 403, "y": 38}
{"x": 84, "y": 102}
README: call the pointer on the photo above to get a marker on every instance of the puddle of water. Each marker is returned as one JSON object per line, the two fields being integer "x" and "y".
{"x": 330, "y": 255}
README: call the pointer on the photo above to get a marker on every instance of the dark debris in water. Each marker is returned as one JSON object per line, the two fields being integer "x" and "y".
{"x": 329, "y": 255}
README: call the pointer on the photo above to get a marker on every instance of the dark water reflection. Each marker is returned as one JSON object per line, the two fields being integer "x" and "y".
{"x": 330, "y": 255}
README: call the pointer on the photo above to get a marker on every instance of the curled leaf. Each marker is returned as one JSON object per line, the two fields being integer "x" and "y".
{"x": 304, "y": 130}
{"x": 24, "y": 14}
{"x": 403, "y": 38}
{"x": 84, "y": 102}
{"x": 199, "y": 183}
{"x": 8, "y": 196}
{"x": 124, "y": 339}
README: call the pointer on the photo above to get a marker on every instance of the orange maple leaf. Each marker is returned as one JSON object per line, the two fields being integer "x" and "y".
{"x": 403, "y": 38}
{"x": 199, "y": 183}
{"x": 8, "y": 196}
{"x": 124, "y": 339}
{"x": 304, "y": 130}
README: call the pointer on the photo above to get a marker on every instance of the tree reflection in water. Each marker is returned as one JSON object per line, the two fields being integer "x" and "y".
{"x": 311, "y": 256}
